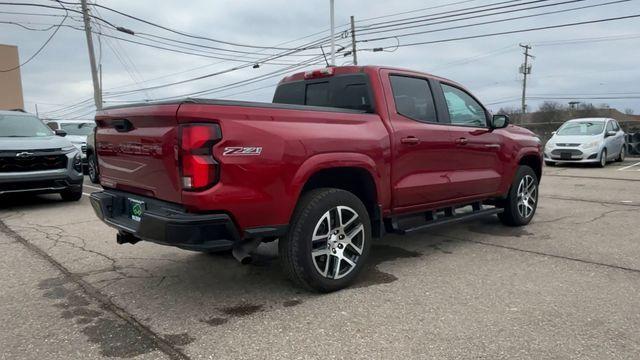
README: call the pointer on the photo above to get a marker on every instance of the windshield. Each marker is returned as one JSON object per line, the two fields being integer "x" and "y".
{"x": 581, "y": 128}
{"x": 78, "y": 128}
{"x": 23, "y": 126}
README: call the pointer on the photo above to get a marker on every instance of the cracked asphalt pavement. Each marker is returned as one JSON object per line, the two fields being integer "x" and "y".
{"x": 566, "y": 286}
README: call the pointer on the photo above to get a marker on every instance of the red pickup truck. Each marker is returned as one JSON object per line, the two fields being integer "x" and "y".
{"x": 341, "y": 156}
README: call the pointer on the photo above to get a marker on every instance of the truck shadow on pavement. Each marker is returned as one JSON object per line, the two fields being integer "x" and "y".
{"x": 239, "y": 291}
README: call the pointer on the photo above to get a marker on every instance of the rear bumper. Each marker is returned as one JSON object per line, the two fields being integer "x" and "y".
{"x": 165, "y": 223}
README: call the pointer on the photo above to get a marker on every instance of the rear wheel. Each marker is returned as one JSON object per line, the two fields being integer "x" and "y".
{"x": 603, "y": 158}
{"x": 73, "y": 194}
{"x": 328, "y": 242}
{"x": 522, "y": 201}
{"x": 623, "y": 153}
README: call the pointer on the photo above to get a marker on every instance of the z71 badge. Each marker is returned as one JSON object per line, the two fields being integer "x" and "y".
{"x": 242, "y": 151}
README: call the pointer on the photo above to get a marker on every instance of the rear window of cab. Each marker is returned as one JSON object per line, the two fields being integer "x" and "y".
{"x": 349, "y": 91}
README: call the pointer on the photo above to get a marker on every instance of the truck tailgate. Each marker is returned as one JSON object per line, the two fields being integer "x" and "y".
{"x": 137, "y": 150}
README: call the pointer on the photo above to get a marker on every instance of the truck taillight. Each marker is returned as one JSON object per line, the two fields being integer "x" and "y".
{"x": 198, "y": 167}
{"x": 320, "y": 73}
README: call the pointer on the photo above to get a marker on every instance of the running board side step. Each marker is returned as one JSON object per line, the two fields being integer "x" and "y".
{"x": 429, "y": 219}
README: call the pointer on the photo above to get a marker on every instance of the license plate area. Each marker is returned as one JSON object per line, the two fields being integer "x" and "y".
{"x": 565, "y": 155}
{"x": 135, "y": 209}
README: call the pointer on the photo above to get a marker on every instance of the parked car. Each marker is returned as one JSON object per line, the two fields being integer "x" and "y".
{"x": 588, "y": 140}
{"x": 341, "y": 156}
{"x": 77, "y": 132}
{"x": 35, "y": 159}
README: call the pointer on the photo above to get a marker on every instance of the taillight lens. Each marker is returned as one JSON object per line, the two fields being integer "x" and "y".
{"x": 198, "y": 167}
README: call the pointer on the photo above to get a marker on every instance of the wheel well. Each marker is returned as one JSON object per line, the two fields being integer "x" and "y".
{"x": 532, "y": 161}
{"x": 357, "y": 181}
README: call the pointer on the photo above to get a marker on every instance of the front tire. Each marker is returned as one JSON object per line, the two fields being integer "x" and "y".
{"x": 522, "y": 201}
{"x": 603, "y": 158}
{"x": 73, "y": 194}
{"x": 328, "y": 241}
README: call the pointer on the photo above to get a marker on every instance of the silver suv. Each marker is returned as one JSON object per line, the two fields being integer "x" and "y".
{"x": 36, "y": 159}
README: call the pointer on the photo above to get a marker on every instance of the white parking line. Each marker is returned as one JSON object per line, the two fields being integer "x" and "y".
{"x": 86, "y": 194}
{"x": 628, "y": 167}
{"x": 92, "y": 187}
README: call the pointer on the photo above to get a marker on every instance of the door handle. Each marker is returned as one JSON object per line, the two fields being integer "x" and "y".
{"x": 462, "y": 141}
{"x": 410, "y": 140}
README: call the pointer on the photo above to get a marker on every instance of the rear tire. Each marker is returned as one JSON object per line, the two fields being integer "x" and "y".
{"x": 623, "y": 153}
{"x": 522, "y": 201}
{"x": 328, "y": 241}
{"x": 73, "y": 194}
{"x": 603, "y": 158}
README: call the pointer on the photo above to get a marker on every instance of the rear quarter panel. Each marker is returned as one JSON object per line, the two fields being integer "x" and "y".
{"x": 261, "y": 190}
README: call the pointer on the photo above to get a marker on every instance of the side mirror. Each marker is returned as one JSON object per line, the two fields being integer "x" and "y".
{"x": 610, "y": 133}
{"x": 499, "y": 121}
{"x": 60, "y": 132}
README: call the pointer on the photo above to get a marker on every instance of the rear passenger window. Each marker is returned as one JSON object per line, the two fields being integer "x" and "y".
{"x": 413, "y": 98}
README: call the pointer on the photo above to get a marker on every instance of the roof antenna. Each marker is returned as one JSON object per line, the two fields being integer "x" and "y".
{"x": 325, "y": 56}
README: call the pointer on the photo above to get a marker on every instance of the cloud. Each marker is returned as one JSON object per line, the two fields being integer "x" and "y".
{"x": 488, "y": 66}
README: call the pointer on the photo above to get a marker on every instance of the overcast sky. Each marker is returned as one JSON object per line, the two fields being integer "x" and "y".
{"x": 60, "y": 75}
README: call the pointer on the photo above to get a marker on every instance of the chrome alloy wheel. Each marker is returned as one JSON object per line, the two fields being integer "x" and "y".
{"x": 337, "y": 242}
{"x": 527, "y": 196}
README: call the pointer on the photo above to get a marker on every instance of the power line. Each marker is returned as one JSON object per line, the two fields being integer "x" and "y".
{"x": 61, "y": 7}
{"x": 187, "y": 34}
{"x": 415, "y": 10}
{"x": 491, "y": 22}
{"x": 587, "y": 40}
{"x": 447, "y": 14}
{"x": 41, "y": 47}
{"x": 198, "y": 77}
{"x": 513, "y": 31}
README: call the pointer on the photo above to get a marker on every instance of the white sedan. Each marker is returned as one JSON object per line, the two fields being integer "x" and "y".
{"x": 587, "y": 140}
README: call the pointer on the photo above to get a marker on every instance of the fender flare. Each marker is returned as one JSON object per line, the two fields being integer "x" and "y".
{"x": 335, "y": 160}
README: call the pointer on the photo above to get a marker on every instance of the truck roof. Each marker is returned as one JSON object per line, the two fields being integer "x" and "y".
{"x": 352, "y": 69}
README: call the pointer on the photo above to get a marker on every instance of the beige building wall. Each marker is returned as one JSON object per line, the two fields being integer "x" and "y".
{"x": 10, "y": 82}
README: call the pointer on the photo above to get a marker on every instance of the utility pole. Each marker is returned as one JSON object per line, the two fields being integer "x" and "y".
{"x": 525, "y": 69}
{"x": 97, "y": 93}
{"x": 333, "y": 34}
{"x": 353, "y": 41}
{"x": 37, "y": 114}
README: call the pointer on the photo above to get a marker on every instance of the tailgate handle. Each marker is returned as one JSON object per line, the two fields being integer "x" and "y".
{"x": 122, "y": 125}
